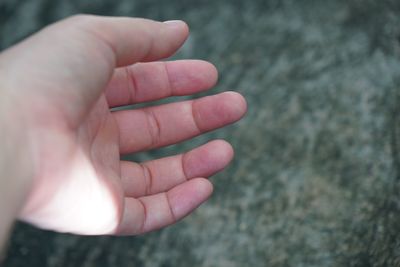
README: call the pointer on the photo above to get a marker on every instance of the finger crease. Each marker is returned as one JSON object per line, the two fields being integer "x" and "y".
{"x": 169, "y": 84}
{"x": 195, "y": 119}
{"x": 171, "y": 211}
{"x": 154, "y": 127}
{"x": 132, "y": 84}
{"x": 150, "y": 47}
{"x": 142, "y": 227}
{"x": 148, "y": 178}
{"x": 185, "y": 175}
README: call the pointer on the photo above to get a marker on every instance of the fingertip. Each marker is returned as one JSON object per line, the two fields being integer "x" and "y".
{"x": 238, "y": 104}
{"x": 191, "y": 76}
{"x": 207, "y": 159}
{"x": 179, "y": 26}
{"x": 213, "y": 72}
{"x": 188, "y": 196}
{"x": 219, "y": 110}
{"x": 206, "y": 73}
{"x": 203, "y": 187}
{"x": 222, "y": 150}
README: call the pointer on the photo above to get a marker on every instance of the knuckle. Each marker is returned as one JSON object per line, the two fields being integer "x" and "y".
{"x": 154, "y": 128}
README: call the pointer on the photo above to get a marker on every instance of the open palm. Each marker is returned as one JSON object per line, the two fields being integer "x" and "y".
{"x": 80, "y": 184}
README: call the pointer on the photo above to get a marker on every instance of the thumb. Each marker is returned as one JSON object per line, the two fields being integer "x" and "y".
{"x": 71, "y": 62}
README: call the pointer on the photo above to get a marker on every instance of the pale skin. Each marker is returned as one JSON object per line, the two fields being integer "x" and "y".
{"x": 60, "y": 165}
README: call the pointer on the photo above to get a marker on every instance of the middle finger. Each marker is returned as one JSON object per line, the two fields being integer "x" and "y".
{"x": 163, "y": 125}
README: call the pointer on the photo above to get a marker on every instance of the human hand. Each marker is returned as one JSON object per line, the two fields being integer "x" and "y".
{"x": 65, "y": 79}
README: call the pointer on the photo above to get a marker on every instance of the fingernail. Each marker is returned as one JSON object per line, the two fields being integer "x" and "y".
{"x": 174, "y": 23}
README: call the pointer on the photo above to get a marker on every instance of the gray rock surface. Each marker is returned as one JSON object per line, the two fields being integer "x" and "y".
{"x": 316, "y": 177}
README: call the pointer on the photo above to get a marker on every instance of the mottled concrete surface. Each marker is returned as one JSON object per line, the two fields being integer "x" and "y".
{"x": 316, "y": 177}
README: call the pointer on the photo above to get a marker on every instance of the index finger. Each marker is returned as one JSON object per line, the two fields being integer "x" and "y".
{"x": 73, "y": 60}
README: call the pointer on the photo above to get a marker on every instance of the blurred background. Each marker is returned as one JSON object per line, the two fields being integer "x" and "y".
{"x": 316, "y": 177}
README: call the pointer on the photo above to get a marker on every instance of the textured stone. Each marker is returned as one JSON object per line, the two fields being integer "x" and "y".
{"x": 316, "y": 177}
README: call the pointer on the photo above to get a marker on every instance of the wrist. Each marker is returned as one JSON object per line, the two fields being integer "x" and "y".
{"x": 15, "y": 165}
